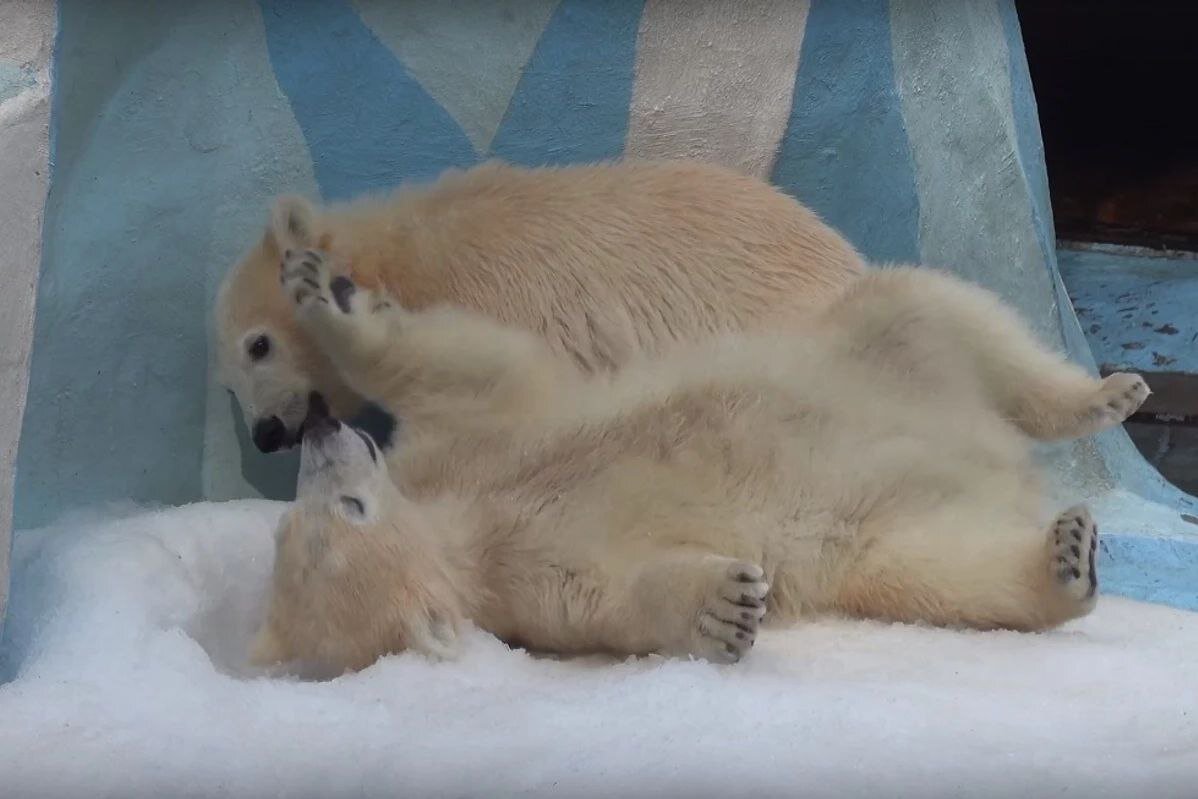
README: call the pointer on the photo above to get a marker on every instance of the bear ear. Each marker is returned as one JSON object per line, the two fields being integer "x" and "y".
{"x": 292, "y": 222}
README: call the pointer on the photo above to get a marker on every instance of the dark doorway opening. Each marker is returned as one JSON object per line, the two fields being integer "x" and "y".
{"x": 1117, "y": 90}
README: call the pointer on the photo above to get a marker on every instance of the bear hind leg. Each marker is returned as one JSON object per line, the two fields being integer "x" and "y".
{"x": 988, "y": 574}
{"x": 684, "y": 602}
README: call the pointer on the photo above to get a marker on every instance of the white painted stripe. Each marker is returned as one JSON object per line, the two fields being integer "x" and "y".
{"x": 714, "y": 80}
{"x": 26, "y": 43}
{"x": 952, "y": 69}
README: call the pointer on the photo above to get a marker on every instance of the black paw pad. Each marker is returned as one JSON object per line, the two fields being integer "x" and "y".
{"x": 343, "y": 288}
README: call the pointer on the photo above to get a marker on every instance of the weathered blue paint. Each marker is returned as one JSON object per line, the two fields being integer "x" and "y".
{"x": 440, "y": 48}
{"x": 845, "y": 151}
{"x": 369, "y": 125}
{"x": 148, "y": 200}
{"x": 100, "y": 341}
{"x": 1138, "y": 312}
{"x": 1121, "y": 462}
{"x": 572, "y": 102}
{"x": 1163, "y": 570}
{"x": 14, "y": 79}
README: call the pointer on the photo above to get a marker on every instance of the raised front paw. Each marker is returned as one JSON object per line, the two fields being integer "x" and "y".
{"x": 305, "y": 277}
{"x": 1119, "y": 396}
{"x": 308, "y": 280}
{"x": 732, "y": 609}
{"x": 1122, "y": 395}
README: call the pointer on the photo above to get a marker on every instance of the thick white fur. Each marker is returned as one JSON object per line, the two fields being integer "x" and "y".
{"x": 602, "y": 262}
{"x": 873, "y": 464}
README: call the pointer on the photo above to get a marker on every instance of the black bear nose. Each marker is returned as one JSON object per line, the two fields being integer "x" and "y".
{"x": 269, "y": 434}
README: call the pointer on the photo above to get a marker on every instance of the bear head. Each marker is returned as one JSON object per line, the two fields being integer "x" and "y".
{"x": 263, "y": 357}
{"x": 360, "y": 570}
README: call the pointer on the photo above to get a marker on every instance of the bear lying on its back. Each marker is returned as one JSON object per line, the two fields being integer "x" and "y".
{"x": 874, "y": 464}
{"x": 602, "y": 262}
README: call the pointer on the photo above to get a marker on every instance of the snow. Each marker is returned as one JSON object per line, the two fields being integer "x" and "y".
{"x": 124, "y": 648}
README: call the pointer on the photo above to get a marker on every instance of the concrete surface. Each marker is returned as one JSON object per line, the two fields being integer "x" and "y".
{"x": 26, "y": 39}
{"x": 713, "y": 80}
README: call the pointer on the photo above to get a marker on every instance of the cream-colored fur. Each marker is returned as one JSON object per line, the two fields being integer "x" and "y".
{"x": 873, "y": 464}
{"x": 603, "y": 262}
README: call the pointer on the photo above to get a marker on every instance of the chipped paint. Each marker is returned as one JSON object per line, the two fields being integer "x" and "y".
{"x": 1137, "y": 309}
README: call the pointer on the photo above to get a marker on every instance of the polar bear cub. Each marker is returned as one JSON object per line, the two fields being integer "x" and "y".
{"x": 602, "y": 262}
{"x": 874, "y": 464}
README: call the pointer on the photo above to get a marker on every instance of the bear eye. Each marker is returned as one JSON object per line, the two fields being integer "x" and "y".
{"x": 258, "y": 348}
{"x": 353, "y": 506}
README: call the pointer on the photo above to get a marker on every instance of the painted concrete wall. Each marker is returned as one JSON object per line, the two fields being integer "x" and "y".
{"x": 26, "y": 37}
{"x": 908, "y": 124}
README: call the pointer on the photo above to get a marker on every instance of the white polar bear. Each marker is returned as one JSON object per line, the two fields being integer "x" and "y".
{"x": 874, "y": 464}
{"x": 602, "y": 262}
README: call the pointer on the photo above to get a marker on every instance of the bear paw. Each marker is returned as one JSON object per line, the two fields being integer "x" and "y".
{"x": 731, "y": 611}
{"x": 309, "y": 282}
{"x": 1120, "y": 396}
{"x": 1073, "y": 541}
{"x": 304, "y": 275}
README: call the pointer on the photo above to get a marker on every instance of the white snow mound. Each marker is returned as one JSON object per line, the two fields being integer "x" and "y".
{"x": 125, "y": 650}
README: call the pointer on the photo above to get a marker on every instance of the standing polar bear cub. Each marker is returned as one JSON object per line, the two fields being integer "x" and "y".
{"x": 874, "y": 464}
{"x": 602, "y": 262}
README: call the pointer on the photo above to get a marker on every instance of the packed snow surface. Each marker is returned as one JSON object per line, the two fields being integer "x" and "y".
{"x": 125, "y": 649}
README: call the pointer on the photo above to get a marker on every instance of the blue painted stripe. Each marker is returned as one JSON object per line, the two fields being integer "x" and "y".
{"x": 573, "y": 100}
{"x": 110, "y": 414}
{"x": 1161, "y": 570}
{"x": 368, "y": 123}
{"x": 845, "y": 152}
